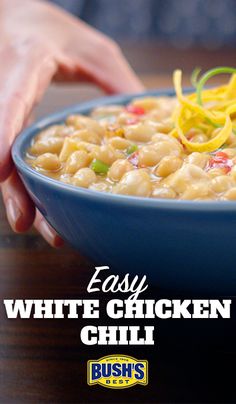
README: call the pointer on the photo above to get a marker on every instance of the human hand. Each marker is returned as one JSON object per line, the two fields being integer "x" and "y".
{"x": 39, "y": 43}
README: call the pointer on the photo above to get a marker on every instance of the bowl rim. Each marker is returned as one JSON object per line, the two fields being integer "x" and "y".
{"x": 18, "y": 153}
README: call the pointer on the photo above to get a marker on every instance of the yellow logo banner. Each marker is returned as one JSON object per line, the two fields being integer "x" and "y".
{"x": 117, "y": 371}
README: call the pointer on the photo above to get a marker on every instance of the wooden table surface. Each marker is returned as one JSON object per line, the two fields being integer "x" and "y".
{"x": 44, "y": 361}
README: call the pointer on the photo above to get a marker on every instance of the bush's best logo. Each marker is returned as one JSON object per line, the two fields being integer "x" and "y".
{"x": 117, "y": 371}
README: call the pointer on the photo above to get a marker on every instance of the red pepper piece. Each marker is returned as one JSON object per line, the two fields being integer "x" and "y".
{"x": 222, "y": 155}
{"x": 227, "y": 169}
{"x": 220, "y": 160}
{"x": 133, "y": 109}
{"x": 133, "y": 159}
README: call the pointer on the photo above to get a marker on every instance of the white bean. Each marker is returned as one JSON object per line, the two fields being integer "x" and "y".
{"x": 84, "y": 177}
{"x": 77, "y": 160}
{"x": 48, "y": 162}
{"x": 136, "y": 183}
{"x": 119, "y": 168}
{"x": 139, "y": 132}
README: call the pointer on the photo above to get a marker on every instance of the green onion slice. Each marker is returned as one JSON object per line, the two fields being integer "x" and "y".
{"x": 209, "y": 74}
{"x": 202, "y": 81}
{"x": 131, "y": 149}
{"x": 99, "y": 167}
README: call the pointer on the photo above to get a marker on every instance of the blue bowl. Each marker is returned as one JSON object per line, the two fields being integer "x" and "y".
{"x": 180, "y": 245}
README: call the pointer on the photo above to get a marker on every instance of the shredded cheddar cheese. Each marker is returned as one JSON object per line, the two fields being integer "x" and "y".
{"x": 208, "y": 109}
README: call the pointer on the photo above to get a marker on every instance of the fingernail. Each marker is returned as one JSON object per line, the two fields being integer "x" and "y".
{"x": 49, "y": 234}
{"x": 13, "y": 213}
{"x": 58, "y": 241}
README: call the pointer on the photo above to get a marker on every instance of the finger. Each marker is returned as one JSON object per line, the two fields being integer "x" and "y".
{"x": 48, "y": 233}
{"x": 28, "y": 121}
{"x": 19, "y": 207}
{"x": 97, "y": 58}
{"x": 115, "y": 76}
{"x": 23, "y": 78}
